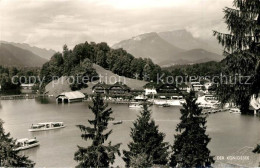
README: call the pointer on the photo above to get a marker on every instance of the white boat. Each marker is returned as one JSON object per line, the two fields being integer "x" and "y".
{"x": 235, "y": 111}
{"x": 135, "y": 105}
{"x": 26, "y": 143}
{"x": 46, "y": 126}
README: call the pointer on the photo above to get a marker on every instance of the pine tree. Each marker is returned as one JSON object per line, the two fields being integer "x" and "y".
{"x": 190, "y": 144}
{"x": 242, "y": 51}
{"x": 147, "y": 141}
{"x": 8, "y": 156}
{"x": 98, "y": 154}
{"x": 141, "y": 160}
{"x": 257, "y": 150}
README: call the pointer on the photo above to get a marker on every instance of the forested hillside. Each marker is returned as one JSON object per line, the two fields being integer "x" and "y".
{"x": 203, "y": 69}
{"x": 79, "y": 60}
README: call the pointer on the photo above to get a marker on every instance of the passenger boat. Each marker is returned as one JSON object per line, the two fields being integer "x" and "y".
{"x": 46, "y": 126}
{"x": 26, "y": 143}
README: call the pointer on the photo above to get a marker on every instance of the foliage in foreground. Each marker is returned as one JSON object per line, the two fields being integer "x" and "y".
{"x": 190, "y": 144}
{"x": 147, "y": 142}
{"x": 98, "y": 154}
{"x": 8, "y": 156}
{"x": 242, "y": 51}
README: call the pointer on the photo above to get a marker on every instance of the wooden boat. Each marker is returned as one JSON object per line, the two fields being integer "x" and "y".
{"x": 46, "y": 126}
{"x": 26, "y": 143}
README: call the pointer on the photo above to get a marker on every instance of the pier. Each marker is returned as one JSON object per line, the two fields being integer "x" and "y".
{"x": 212, "y": 111}
{"x": 17, "y": 97}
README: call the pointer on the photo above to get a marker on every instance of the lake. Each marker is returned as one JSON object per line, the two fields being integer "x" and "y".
{"x": 229, "y": 132}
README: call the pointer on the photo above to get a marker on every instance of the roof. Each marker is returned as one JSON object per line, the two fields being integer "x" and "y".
{"x": 124, "y": 87}
{"x": 27, "y": 85}
{"x": 22, "y": 140}
{"x": 197, "y": 85}
{"x": 73, "y": 95}
{"x": 49, "y": 123}
{"x": 105, "y": 86}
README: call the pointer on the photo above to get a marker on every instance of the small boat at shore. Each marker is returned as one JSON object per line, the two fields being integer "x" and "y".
{"x": 46, "y": 126}
{"x": 135, "y": 105}
{"x": 26, "y": 143}
{"x": 117, "y": 122}
{"x": 164, "y": 105}
{"x": 235, "y": 111}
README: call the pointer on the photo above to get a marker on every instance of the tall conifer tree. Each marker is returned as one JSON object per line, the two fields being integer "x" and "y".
{"x": 147, "y": 142}
{"x": 242, "y": 51}
{"x": 97, "y": 154}
{"x": 190, "y": 144}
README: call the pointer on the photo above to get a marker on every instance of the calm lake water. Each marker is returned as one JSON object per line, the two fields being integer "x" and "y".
{"x": 229, "y": 132}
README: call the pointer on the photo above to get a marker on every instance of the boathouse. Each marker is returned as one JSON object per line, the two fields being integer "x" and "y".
{"x": 69, "y": 97}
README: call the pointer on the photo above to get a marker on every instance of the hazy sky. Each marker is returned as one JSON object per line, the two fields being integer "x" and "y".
{"x": 52, "y": 23}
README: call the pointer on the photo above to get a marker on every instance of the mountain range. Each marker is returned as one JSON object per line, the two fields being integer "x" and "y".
{"x": 164, "y": 48}
{"x": 172, "y": 47}
{"x": 42, "y": 52}
{"x": 11, "y": 55}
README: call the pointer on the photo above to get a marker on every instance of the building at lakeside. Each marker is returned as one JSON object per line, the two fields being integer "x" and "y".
{"x": 27, "y": 86}
{"x": 136, "y": 92}
{"x": 69, "y": 97}
{"x": 101, "y": 88}
{"x": 167, "y": 88}
{"x": 183, "y": 87}
{"x": 115, "y": 89}
{"x": 150, "y": 91}
{"x": 196, "y": 86}
{"x": 118, "y": 89}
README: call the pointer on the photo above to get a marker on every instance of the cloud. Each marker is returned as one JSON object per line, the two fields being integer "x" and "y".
{"x": 50, "y": 24}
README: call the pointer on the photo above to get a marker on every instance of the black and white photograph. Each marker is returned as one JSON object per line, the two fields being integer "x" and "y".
{"x": 130, "y": 83}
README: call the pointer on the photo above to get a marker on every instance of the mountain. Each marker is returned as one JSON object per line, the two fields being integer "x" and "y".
{"x": 149, "y": 45}
{"x": 42, "y": 52}
{"x": 11, "y": 55}
{"x": 185, "y": 40}
{"x": 191, "y": 57}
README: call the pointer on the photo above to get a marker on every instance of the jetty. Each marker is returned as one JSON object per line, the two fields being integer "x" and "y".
{"x": 212, "y": 111}
{"x": 17, "y": 97}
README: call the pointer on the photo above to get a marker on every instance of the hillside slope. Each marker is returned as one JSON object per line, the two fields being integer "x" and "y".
{"x": 149, "y": 45}
{"x": 56, "y": 87}
{"x": 14, "y": 56}
{"x": 42, "y": 52}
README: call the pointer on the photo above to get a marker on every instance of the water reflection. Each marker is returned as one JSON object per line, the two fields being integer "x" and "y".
{"x": 43, "y": 100}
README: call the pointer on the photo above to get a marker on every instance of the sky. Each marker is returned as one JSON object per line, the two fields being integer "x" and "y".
{"x": 52, "y": 23}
